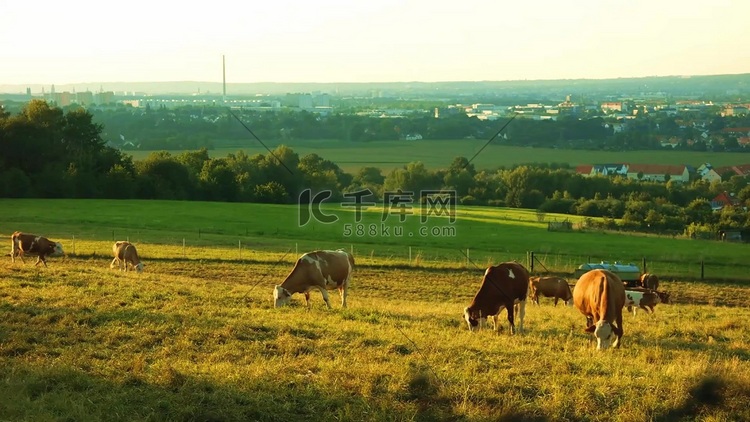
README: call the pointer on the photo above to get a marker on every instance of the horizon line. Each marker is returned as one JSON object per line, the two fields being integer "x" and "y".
{"x": 378, "y": 82}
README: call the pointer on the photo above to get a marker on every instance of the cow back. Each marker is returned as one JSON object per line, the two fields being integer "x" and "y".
{"x": 599, "y": 294}
{"x": 32, "y": 244}
{"x": 508, "y": 281}
{"x": 322, "y": 267}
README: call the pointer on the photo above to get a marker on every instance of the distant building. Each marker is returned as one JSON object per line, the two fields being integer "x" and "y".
{"x": 613, "y": 106}
{"x": 722, "y": 200}
{"x": 85, "y": 98}
{"x": 658, "y": 172}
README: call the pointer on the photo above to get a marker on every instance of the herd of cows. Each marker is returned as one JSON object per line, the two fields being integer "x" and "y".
{"x": 600, "y": 295}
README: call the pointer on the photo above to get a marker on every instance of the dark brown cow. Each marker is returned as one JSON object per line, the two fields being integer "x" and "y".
{"x": 31, "y": 244}
{"x": 320, "y": 270}
{"x": 600, "y": 296}
{"x": 502, "y": 286}
{"x": 650, "y": 281}
{"x": 549, "y": 286}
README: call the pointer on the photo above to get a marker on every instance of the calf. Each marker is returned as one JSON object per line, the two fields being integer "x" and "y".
{"x": 126, "y": 254}
{"x": 31, "y": 244}
{"x": 600, "y": 296}
{"x": 321, "y": 270}
{"x": 645, "y": 299}
{"x": 555, "y": 287}
{"x": 502, "y": 286}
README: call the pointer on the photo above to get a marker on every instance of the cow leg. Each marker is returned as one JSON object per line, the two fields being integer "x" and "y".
{"x": 521, "y": 314}
{"x": 342, "y": 293}
{"x": 324, "y": 292}
{"x": 41, "y": 259}
{"x": 495, "y": 322}
{"x": 112, "y": 265}
{"x": 618, "y": 331}
{"x": 510, "y": 307}
{"x": 307, "y": 299}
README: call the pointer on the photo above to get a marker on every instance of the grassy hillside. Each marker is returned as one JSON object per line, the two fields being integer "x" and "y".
{"x": 486, "y": 234}
{"x": 388, "y": 155}
{"x": 198, "y": 340}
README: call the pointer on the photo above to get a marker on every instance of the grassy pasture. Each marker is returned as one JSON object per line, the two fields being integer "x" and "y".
{"x": 198, "y": 340}
{"x": 195, "y": 336}
{"x": 387, "y": 155}
{"x": 251, "y": 230}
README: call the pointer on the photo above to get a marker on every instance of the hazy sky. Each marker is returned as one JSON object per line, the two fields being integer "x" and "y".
{"x": 78, "y": 41}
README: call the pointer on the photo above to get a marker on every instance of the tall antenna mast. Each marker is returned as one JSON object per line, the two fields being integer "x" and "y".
{"x": 224, "y": 79}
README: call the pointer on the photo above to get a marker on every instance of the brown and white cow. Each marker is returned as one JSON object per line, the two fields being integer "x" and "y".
{"x": 323, "y": 270}
{"x": 645, "y": 299}
{"x": 31, "y": 244}
{"x": 502, "y": 286}
{"x": 549, "y": 286}
{"x": 650, "y": 281}
{"x": 126, "y": 256}
{"x": 600, "y": 296}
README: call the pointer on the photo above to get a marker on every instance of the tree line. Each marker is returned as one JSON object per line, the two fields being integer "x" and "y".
{"x": 46, "y": 152}
{"x": 209, "y": 126}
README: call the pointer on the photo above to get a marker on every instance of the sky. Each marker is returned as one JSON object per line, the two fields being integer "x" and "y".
{"x": 79, "y": 41}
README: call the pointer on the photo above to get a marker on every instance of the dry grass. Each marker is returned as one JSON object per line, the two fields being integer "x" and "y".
{"x": 200, "y": 341}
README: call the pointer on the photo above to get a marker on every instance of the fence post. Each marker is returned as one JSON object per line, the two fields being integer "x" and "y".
{"x": 296, "y": 249}
{"x": 531, "y": 261}
{"x": 409, "y": 255}
{"x": 239, "y": 246}
{"x": 468, "y": 260}
{"x": 74, "y": 245}
{"x": 703, "y": 268}
{"x": 183, "y": 248}
{"x": 643, "y": 264}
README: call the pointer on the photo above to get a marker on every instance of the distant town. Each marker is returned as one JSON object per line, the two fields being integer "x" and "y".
{"x": 694, "y": 113}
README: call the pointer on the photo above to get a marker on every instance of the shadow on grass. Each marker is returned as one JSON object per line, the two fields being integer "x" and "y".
{"x": 708, "y": 394}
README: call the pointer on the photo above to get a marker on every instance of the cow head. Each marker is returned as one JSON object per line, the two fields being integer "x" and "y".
{"x": 56, "y": 249}
{"x": 139, "y": 267}
{"x": 605, "y": 334}
{"x": 472, "y": 320}
{"x": 281, "y": 296}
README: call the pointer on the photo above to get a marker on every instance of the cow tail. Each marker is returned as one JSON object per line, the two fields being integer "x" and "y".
{"x": 605, "y": 305}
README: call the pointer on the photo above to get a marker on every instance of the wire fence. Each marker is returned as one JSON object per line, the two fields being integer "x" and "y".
{"x": 208, "y": 243}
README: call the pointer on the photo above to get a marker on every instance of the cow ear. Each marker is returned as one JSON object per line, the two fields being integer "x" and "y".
{"x": 590, "y": 329}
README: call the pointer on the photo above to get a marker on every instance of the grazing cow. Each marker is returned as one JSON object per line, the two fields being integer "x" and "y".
{"x": 31, "y": 244}
{"x": 549, "y": 287}
{"x": 663, "y": 294}
{"x": 322, "y": 270}
{"x": 125, "y": 256}
{"x": 650, "y": 281}
{"x": 600, "y": 296}
{"x": 502, "y": 286}
{"x": 646, "y": 299}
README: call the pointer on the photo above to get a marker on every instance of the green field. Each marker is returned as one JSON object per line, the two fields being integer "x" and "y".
{"x": 485, "y": 234}
{"x": 388, "y": 155}
{"x": 195, "y": 337}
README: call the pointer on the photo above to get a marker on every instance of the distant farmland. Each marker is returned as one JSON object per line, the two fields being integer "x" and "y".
{"x": 388, "y": 155}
